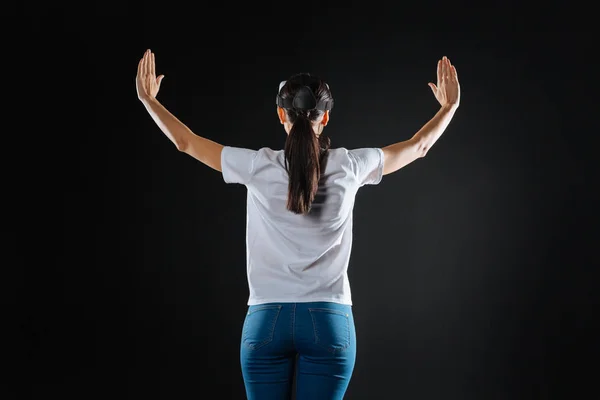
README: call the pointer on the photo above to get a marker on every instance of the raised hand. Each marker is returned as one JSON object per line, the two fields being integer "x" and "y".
{"x": 146, "y": 82}
{"x": 447, "y": 90}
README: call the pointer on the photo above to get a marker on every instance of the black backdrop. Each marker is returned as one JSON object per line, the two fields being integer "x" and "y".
{"x": 470, "y": 270}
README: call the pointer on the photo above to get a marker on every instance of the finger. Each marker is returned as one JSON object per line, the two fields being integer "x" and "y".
{"x": 146, "y": 67}
{"x": 445, "y": 68}
{"x": 433, "y": 88}
{"x": 454, "y": 73}
{"x": 139, "y": 68}
{"x": 442, "y": 68}
{"x": 148, "y": 62}
{"x": 450, "y": 72}
{"x": 439, "y": 72}
{"x": 158, "y": 81}
{"x": 152, "y": 65}
{"x": 144, "y": 64}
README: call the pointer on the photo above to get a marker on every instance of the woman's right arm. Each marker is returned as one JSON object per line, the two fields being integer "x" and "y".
{"x": 202, "y": 149}
{"x": 447, "y": 92}
{"x": 147, "y": 85}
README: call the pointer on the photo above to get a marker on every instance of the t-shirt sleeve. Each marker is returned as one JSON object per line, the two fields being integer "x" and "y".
{"x": 367, "y": 164}
{"x": 238, "y": 164}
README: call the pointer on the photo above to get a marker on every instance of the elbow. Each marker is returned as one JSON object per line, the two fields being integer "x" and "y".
{"x": 422, "y": 148}
{"x": 181, "y": 145}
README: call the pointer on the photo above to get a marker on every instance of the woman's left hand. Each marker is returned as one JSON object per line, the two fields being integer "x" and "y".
{"x": 146, "y": 82}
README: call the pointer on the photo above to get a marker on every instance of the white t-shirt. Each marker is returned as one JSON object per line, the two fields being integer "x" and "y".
{"x": 299, "y": 258}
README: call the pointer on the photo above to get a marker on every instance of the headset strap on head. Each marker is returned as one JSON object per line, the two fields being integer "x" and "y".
{"x": 303, "y": 100}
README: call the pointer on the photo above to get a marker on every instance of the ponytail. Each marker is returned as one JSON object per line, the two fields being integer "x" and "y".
{"x": 304, "y": 154}
{"x": 305, "y": 99}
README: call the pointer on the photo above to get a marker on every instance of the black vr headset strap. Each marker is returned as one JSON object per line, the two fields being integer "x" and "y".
{"x": 303, "y": 100}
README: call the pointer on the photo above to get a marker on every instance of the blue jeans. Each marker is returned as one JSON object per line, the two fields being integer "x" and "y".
{"x": 320, "y": 334}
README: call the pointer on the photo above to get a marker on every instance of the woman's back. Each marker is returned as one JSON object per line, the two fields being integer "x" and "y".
{"x": 294, "y": 257}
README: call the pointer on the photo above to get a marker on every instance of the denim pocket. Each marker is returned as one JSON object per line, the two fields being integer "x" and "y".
{"x": 331, "y": 329}
{"x": 259, "y": 325}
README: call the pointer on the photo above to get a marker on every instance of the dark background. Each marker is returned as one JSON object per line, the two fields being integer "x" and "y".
{"x": 471, "y": 272}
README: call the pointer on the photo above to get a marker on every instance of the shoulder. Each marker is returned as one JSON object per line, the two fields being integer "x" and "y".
{"x": 362, "y": 151}
{"x": 339, "y": 153}
{"x": 255, "y": 153}
{"x": 354, "y": 153}
{"x": 267, "y": 154}
{"x": 366, "y": 154}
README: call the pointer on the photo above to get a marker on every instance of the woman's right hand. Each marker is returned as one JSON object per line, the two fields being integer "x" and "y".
{"x": 146, "y": 83}
{"x": 447, "y": 90}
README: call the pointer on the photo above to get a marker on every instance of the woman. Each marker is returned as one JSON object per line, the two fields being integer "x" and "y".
{"x": 299, "y": 230}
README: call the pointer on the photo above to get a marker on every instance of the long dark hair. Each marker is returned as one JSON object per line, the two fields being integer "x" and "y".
{"x": 305, "y": 152}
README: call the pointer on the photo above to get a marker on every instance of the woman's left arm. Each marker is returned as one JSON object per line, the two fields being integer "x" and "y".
{"x": 147, "y": 85}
